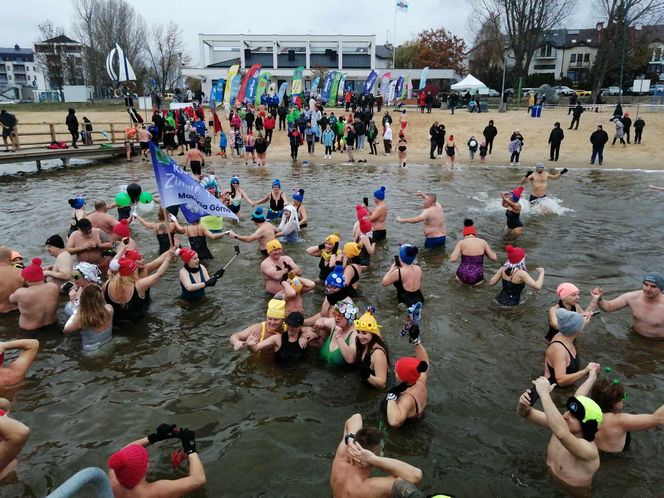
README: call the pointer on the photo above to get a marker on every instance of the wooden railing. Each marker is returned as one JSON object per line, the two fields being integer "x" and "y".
{"x": 58, "y": 132}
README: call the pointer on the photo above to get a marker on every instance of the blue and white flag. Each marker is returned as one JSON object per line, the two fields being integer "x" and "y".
{"x": 177, "y": 188}
{"x": 402, "y": 5}
{"x": 368, "y": 85}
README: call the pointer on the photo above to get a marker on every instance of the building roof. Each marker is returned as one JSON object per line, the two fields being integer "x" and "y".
{"x": 383, "y": 52}
{"x": 60, "y": 39}
{"x": 350, "y": 61}
{"x": 15, "y": 51}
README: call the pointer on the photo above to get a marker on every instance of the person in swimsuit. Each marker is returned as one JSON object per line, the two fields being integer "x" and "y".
{"x": 352, "y": 267}
{"x": 277, "y": 200}
{"x": 402, "y": 147}
{"x": 406, "y": 277}
{"x": 378, "y": 215}
{"x": 572, "y": 456}
{"x": 277, "y": 267}
{"x": 79, "y": 213}
{"x": 195, "y": 159}
{"x": 614, "y": 434}
{"x": 514, "y": 276}
{"x": 88, "y": 243}
{"x": 364, "y": 239}
{"x": 13, "y": 436}
{"x": 510, "y": 201}
{"x": 451, "y": 150}
{"x": 101, "y": 219}
{"x": 406, "y": 401}
{"x": 260, "y": 145}
{"x": 265, "y": 232}
{"x": 232, "y": 197}
{"x": 164, "y": 230}
{"x": 329, "y": 254}
{"x": 372, "y": 353}
{"x": 37, "y": 299}
{"x": 61, "y": 270}
{"x": 273, "y": 325}
{"x": 197, "y": 235}
{"x": 358, "y": 454}
{"x": 194, "y": 277}
{"x": 290, "y": 346}
{"x": 433, "y": 218}
{"x": 335, "y": 291}
{"x": 561, "y": 361}
{"x": 338, "y": 334}
{"x": 249, "y": 148}
{"x": 540, "y": 180}
{"x": 127, "y": 292}
{"x": 289, "y": 226}
{"x": 298, "y": 199}
{"x": 569, "y": 297}
{"x": 94, "y": 319}
{"x": 472, "y": 250}
{"x": 14, "y": 372}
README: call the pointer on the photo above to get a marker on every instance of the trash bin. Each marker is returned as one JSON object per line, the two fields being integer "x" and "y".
{"x": 536, "y": 111}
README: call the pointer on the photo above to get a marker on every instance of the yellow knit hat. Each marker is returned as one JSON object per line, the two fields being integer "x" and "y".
{"x": 351, "y": 249}
{"x": 273, "y": 245}
{"x": 276, "y": 308}
{"x": 367, "y": 323}
{"x": 332, "y": 239}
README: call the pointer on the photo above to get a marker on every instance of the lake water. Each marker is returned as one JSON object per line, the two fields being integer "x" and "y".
{"x": 267, "y": 431}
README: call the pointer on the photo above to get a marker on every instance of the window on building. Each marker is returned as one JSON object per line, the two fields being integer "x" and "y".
{"x": 572, "y": 57}
{"x": 586, "y": 58}
{"x": 546, "y": 50}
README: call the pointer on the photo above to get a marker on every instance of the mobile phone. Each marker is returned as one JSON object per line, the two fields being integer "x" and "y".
{"x": 397, "y": 261}
{"x": 366, "y": 201}
{"x": 534, "y": 396}
{"x": 66, "y": 287}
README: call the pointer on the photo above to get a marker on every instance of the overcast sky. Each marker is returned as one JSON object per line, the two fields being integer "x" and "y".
{"x": 20, "y": 18}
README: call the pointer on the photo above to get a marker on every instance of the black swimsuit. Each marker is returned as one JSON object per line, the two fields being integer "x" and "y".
{"x": 573, "y": 366}
{"x": 407, "y": 297}
{"x": 132, "y": 310}
{"x": 289, "y": 352}
{"x": 513, "y": 220}
{"x": 510, "y": 295}
{"x": 553, "y": 331}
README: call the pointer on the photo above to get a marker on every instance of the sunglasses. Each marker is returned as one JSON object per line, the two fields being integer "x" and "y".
{"x": 76, "y": 276}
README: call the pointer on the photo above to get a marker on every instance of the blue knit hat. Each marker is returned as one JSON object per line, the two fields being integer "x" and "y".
{"x": 380, "y": 194}
{"x": 654, "y": 278}
{"x": 276, "y": 183}
{"x": 407, "y": 253}
{"x": 258, "y": 216}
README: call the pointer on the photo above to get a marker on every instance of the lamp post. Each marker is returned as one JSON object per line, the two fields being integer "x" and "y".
{"x": 502, "y": 89}
{"x": 622, "y": 59}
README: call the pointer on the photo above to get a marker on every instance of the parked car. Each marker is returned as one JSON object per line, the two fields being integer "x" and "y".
{"x": 657, "y": 89}
{"x": 564, "y": 90}
{"x": 493, "y": 93}
{"x": 584, "y": 93}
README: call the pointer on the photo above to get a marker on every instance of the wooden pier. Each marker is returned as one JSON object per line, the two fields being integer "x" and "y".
{"x": 83, "y": 152}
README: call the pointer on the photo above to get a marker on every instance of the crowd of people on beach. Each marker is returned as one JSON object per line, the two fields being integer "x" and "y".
{"x": 100, "y": 272}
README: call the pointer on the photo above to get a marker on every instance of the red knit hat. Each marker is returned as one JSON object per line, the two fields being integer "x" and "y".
{"x": 365, "y": 224}
{"x": 470, "y": 230}
{"x": 187, "y": 254}
{"x": 127, "y": 266}
{"x": 515, "y": 254}
{"x": 133, "y": 255}
{"x": 130, "y": 465}
{"x": 121, "y": 229}
{"x": 516, "y": 193}
{"x": 409, "y": 369}
{"x": 33, "y": 272}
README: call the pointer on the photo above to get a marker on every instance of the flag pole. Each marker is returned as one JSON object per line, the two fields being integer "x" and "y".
{"x": 394, "y": 44}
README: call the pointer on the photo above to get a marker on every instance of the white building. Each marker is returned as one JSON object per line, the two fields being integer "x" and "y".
{"x": 19, "y": 75}
{"x": 355, "y": 55}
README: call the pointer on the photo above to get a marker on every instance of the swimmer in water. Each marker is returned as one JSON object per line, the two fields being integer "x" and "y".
{"x": 614, "y": 435}
{"x": 433, "y": 218}
{"x": 406, "y": 276}
{"x": 128, "y": 467}
{"x": 372, "y": 358}
{"x": 539, "y": 182}
{"x": 572, "y": 455}
{"x": 232, "y": 197}
{"x": 378, "y": 215}
{"x": 329, "y": 254}
{"x": 194, "y": 277}
{"x": 38, "y": 300}
{"x": 265, "y": 232}
{"x": 14, "y": 372}
{"x": 273, "y": 325}
{"x": 277, "y": 200}
{"x": 10, "y": 280}
{"x": 514, "y": 276}
{"x": 358, "y": 454}
{"x": 61, "y": 270}
{"x": 513, "y": 211}
{"x": 13, "y": 436}
{"x": 647, "y": 305}
{"x": 276, "y": 268}
{"x": 290, "y": 346}
{"x": 472, "y": 250}
{"x": 569, "y": 297}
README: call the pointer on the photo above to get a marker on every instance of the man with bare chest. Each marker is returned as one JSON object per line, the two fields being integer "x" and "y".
{"x": 539, "y": 181}
{"x": 38, "y": 300}
{"x": 88, "y": 243}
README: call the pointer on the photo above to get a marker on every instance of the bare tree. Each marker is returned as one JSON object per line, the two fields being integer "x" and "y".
{"x": 488, "y": 54}
{"x": 619, "y": 18}
{"x": 100, "y": 24}
{"x": 524, "y": 22}
{"x": 166, "y": 56}
{"x": 51, "y": 59}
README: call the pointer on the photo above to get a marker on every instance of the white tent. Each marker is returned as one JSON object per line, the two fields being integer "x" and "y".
{"x": 469, "y": 83}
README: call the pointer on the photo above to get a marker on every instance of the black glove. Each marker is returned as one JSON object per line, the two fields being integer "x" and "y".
{"x": 414, "y": 334}
{"x": 565, "y": 170}
{"x": 284, "y": 277}
{"x": 397, "y": 390}
{"x": 528, "y": 173}
{"x": 161, "y": 433}
{"x": 365, "y": 200}
{"x": 288, "y": 267}
{"x": 188, "y": 438}
{"x": 335, "y": 248}
{"x": 365, "y": 371}
{"x": 321, "y": 246}
{"x": 218, "y": 274}
{"x": 211, "y": 282}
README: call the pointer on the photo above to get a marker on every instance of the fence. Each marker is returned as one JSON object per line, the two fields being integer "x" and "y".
{"x": 58, "y": 132}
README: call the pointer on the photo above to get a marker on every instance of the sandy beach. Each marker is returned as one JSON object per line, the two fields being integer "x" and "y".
{"x": 575, "y": 150}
